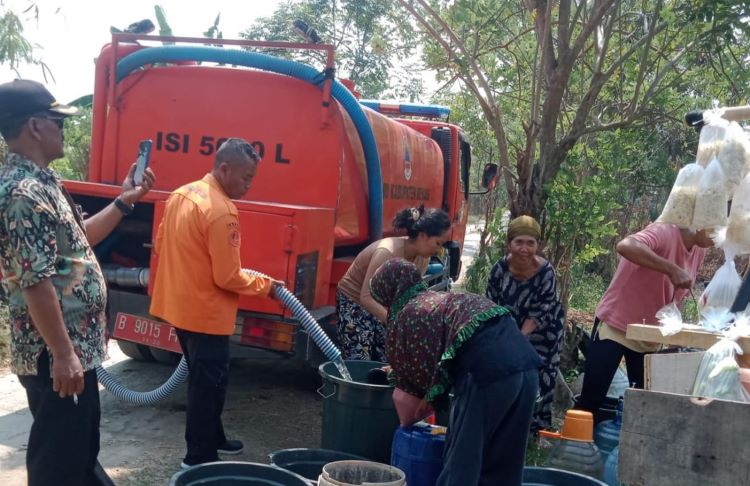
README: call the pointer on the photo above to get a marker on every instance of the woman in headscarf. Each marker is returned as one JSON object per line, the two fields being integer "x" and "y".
{"x": 436, "y": 341}
{"x": 524, "y": 283}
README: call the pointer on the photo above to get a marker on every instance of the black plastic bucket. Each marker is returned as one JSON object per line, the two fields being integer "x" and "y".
{"x": 226, "y": 473}
{"x": 545, "y": 476}
{"x": 358, "y": 417}
{"x": 309, "y": 463}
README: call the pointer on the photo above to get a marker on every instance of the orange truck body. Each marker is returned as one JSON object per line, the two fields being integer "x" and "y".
{"x": 306, "y": 214}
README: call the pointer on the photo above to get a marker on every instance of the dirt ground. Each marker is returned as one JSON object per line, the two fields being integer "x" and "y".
{"x": 271, "y": 405}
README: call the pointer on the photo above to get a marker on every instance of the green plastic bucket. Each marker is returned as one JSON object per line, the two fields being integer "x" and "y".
{"x": 228, "y": 473}
{"x": 358, "y": 418}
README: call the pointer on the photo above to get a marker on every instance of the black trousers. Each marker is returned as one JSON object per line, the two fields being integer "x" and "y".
{"x": 602, "y": 359}
{"x": 488, "y": 430}
{"x": 64, "y": 437}
{"x": 207, "y": 357}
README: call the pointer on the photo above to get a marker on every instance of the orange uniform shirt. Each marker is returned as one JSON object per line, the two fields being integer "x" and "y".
{"x": 199, "y": 277}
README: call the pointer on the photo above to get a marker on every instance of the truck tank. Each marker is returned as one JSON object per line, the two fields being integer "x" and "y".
{"x": 189, "y": 110}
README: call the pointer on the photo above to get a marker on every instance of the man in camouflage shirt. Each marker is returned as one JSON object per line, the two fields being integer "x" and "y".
{"x": 55, "y": 288}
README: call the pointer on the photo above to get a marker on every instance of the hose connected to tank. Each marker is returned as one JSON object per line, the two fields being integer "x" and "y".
{"x": 180, "y": 374}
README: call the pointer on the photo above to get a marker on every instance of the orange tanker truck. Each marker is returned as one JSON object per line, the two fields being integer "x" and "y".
{"x": 334, "y": 173}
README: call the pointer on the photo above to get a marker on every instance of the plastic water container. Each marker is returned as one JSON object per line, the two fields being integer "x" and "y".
{"x": 574, "y": 449}
{"x": 358, "y": 417}
{"x": 228, "y": 473}
{"x": 610, "y": 468}
{"x": 418, "y": 451}
{"x": 607, "y": 433}
{"x": 545, "y": 476}
{"x": 347, "y": 473}
{"x": 308, "y": 463}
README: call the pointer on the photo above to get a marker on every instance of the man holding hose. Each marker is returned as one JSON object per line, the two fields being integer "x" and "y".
{"x": 198, "y": 282}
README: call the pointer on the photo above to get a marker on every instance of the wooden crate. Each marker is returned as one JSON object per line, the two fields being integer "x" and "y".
{"x": 670, "y": 437}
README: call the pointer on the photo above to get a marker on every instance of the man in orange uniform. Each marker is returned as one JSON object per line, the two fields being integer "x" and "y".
{"x": 197, "y": 287}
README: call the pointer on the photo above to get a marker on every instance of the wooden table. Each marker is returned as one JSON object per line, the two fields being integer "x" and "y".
{"x": 687, "y": 338}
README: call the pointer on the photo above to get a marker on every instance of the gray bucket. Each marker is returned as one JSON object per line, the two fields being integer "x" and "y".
{"x": 545, "y": 476}
{"x": 358, "y": 418}
{"x": 309, "y": 463}
{"x": 227, "y": 473}
{"x": 348, "y": 473}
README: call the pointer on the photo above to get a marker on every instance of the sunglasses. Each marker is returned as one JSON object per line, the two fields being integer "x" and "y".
{"x": 57, "y": 120}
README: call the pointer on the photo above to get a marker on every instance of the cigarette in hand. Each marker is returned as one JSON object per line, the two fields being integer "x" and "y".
{"x": 75, "y": 398}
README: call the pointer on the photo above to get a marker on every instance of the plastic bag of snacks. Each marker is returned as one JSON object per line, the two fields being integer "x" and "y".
{"x": 711, "y": 201}
{"x": 735, "y": 147}
{"x": 719, "y": 374}
{"x": 736, "y": 238}
{"x": 681, "y": 202}
{"x": 711, "y": 139}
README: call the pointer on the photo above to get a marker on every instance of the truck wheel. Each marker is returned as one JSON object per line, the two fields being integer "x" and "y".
{"x": 138, "y": 352}
{"x": 164, "y": 356}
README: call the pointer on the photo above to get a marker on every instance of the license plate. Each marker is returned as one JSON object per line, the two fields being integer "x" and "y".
{"x": 146, "y": 331}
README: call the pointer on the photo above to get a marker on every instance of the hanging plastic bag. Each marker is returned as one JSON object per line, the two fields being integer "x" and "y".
{"x": 670, "y": 319}
{"x": 681, "y": 202}
{"x": 723, "y": 288}
{"x": 737, "y": 236}
{"x": 719, "y": 374}
{"x": 711, "y": 201}
{"x": 732, "y": 156}
{"x": 711, "y": 138}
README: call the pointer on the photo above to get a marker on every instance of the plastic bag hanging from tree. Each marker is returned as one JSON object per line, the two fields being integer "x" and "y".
{"x": 711, "y": 139}
{"x": 681, "y": 202}
{"x": 734, "y": 149}
{"x": 736, "y": 238}
{"x": 711, "y": 201}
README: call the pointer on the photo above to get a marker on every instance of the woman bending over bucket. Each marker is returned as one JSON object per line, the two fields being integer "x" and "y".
{"x": 361, "y": 318}
{"x": 439, "y": 340}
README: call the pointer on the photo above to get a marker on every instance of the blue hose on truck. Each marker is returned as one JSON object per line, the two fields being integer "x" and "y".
{"x": 180, "y": 374}
{"x": 339, "y": 92}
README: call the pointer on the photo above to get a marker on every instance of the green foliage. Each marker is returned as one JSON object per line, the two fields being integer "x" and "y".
{"x": 15, "y": 49}
{"x": 586, "y": 289}
{"x": 494, "y": 248}
{"x": 374, "y": 43}
{"x": 74, "y": 165}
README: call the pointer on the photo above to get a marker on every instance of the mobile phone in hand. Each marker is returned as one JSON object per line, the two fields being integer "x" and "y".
{"x": 144, "y": 154}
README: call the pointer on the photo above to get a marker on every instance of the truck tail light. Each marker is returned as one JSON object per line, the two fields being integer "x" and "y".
{"x": 267, "y": 334}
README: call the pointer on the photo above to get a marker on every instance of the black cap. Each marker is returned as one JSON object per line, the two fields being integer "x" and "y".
{"x": 694, "y": 118}
{"x": 22, "y": 97}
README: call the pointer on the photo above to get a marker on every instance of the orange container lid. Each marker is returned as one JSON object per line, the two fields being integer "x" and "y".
{"x": 578, "y": 425}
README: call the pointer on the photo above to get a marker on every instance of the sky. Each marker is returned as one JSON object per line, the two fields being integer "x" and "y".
{"x": 71, "y": 33}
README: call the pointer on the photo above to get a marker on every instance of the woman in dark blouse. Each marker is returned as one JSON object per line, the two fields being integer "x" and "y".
{"x": 436, "y": 341}
{"x": 525, "y": 284}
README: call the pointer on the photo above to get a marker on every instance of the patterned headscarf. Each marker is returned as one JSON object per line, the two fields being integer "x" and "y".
{"x": 394, "y": 284}
{"x": 425, "y": 329}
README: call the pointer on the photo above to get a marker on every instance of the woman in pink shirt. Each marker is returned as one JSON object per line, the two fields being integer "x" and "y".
{"x": 658, "y": 266}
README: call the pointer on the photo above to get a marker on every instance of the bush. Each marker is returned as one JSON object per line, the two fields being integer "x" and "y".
{"x": 586, "y": 290}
